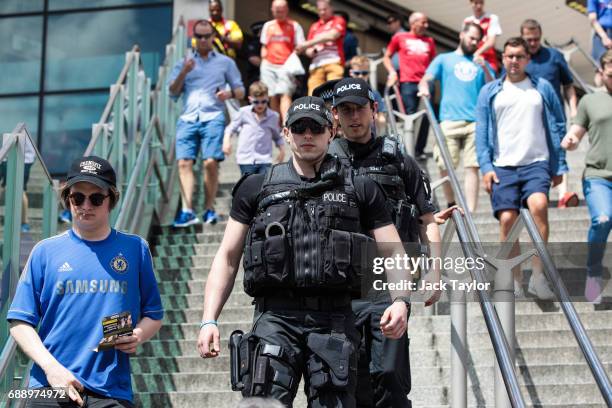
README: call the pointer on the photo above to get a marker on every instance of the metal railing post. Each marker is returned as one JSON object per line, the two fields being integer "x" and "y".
{"x": 12, "y": 220}
{"x": 50, "y": 209}
{"x": 458, "y": 374}
{"x": 133, "y": 58}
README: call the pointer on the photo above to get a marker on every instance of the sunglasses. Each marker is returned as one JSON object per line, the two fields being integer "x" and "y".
{"x": 259, "y": 102}
{"x": 204, "y": 36}
{"x": 96, "y": 199}
{"x": 301, "y": 126}
{"x": 360, "y": 73}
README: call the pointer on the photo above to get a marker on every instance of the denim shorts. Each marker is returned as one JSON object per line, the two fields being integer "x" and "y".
{"x": 517, "y": 183}
{"x": 205, "y": 136}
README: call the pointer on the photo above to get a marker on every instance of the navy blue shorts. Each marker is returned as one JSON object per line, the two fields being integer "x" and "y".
{"x": 516, "y": 184}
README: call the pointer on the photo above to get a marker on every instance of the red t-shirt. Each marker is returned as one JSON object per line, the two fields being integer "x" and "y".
{"x": 490, "y": 25}
{"x": 331, "y": 51}
{"x": 415, "y": 53}
{"x": 280, "y": 39}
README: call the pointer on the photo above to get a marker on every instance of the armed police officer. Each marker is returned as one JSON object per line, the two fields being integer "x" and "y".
{"x": 302, "y": 228}
{"x": 384, "y": 364}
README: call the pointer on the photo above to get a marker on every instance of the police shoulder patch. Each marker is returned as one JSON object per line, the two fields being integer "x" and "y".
{"x": 119, "y": 264}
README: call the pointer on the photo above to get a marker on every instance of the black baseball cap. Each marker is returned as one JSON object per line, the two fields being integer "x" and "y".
{"x": 310, "y": 107}
{"x": 326, "y": 90}
{"x": 91, "y": 169}
{"x": 354, "y": 90}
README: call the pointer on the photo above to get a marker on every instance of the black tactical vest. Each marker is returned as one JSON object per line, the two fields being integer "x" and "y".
{"x": 384, "y": 163}
{"x": 306, "y": 236}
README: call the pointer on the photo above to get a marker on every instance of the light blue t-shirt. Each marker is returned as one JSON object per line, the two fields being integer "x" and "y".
{"x": 69, "y": 285}
{"x": 460, "y": 81}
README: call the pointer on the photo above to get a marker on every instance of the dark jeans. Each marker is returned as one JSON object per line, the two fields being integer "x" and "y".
{"x": 410, "y": 99}
{"x": 90, "y": 400}
{"x": 259, "y": 168}
{"x": 311, "y": 343}
{"x": 383, "y": 375}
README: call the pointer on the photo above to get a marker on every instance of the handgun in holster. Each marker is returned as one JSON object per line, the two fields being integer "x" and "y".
{"x": 234, "y": 347}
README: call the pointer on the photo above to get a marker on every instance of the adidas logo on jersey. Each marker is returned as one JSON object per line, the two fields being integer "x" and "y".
{"x": 65, "y": 267}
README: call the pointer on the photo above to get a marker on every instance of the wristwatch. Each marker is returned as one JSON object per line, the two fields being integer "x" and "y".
{"x": 405, "y": 299}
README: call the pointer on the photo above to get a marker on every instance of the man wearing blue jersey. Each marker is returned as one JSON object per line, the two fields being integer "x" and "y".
{"x": 72, "y": 282}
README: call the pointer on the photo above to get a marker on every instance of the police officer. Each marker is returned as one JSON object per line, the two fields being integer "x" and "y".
{"x": 384, "y": 364}
{"x": 301, "y": 225}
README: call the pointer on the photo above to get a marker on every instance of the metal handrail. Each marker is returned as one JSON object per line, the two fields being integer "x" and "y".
{"x": 155, "y": 156}
{"x": 568, "y": 54}
{"x": 111, "y": 101}
{"x": 494, "y": 327}
{"x": 586, "y": 346}
{"x": 472, "y": 246}
{"x": 454, "y": 180}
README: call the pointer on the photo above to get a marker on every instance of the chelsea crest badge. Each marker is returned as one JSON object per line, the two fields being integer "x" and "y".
{"x": 119, "y": 264}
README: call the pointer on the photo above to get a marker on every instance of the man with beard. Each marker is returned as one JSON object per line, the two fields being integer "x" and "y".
{"x": 384, "y": 365}
{"x": 461, "y": 78}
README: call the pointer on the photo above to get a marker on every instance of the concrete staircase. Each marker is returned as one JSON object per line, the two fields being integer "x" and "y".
{"x": 169, "y": 372}
{"x": 551, "y": 369}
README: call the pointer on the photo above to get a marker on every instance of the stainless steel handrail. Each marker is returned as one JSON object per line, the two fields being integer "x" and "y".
{"x": 586, "y": 346}
{"x": 498, "y": 339}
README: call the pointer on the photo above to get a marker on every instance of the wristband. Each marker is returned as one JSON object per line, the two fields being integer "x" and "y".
{"x": 207, "y": 322}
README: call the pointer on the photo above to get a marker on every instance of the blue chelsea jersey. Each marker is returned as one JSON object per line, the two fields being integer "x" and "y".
{"x": 69, "y": 285}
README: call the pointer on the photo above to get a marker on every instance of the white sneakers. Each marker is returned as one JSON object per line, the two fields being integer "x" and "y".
{"x": 538, "y": 287}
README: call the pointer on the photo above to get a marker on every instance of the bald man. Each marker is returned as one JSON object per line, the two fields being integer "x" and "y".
{"x": 416, "y": 51}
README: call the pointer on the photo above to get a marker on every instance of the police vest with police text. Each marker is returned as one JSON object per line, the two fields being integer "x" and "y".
{"x": 305, "y": 236}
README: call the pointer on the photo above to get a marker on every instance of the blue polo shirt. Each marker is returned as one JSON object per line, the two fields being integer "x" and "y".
{"x": 549, "y": 64}
{"x": 68, "y": 286}
{"x": 210, "y": 75}
{"x": 603, "y": 9}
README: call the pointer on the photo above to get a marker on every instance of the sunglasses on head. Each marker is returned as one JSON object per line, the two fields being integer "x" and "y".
{"x": 301, "y": 126}
{"x": 359, "y": 73}
{"x": 96, "y": 199}
{"x": 204, "y": 36}
{"x": 259, "y": 101}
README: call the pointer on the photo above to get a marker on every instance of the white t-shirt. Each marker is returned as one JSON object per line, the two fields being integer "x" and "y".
{"x": 521, "y": 135}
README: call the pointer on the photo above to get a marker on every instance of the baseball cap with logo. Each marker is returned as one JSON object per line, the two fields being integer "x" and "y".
{"x": 309, "y": 107}
{"x": 353, "y": 90}
{"x": 326, "y": 90}
{"x": 91, "y": 169}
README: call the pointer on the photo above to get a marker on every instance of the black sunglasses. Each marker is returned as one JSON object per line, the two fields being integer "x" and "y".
{"x": 259, "y": 102}
{"x": 205, "y": 36}
{"x": 359, "y": 73}
{"x": 95, "y": 199}
{"x": 301, "y": 126}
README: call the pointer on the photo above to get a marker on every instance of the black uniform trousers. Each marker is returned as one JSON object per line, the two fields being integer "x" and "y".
{"x": 383, "y": 379}
{"x": 317, "y": 340}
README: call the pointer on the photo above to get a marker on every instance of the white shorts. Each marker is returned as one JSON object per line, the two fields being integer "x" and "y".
{"x": 276, "y": 79}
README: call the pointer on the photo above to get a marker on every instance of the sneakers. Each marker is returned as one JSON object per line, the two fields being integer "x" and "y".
{"x": 538, "y": 287}
{"x": 185, "y": 219}
{"x": 592, "y": 290}
{"x": 210, "y": 217}
{"x": 65, "y": 217}
{"x": 25, "y": 227}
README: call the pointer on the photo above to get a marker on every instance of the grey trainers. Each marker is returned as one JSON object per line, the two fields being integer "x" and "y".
{"x": 538, "y": 287}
